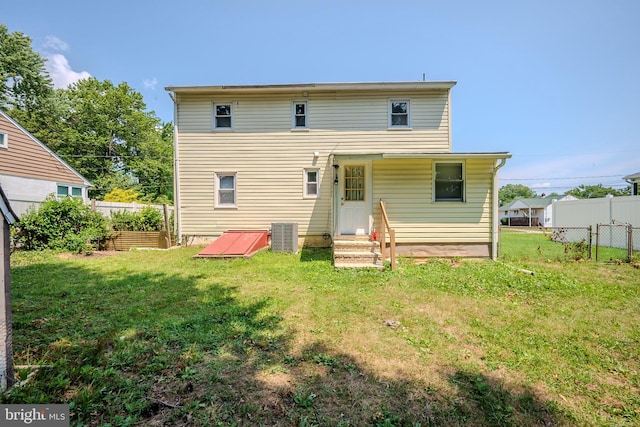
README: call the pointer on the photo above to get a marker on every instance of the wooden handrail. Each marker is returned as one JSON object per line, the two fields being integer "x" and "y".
{"x": 383, "y": 238}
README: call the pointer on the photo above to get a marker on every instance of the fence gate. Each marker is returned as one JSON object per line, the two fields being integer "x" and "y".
{"x": 620, "y": 236}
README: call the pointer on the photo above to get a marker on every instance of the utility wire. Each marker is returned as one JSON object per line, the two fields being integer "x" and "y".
{"x": 577, "y": 177}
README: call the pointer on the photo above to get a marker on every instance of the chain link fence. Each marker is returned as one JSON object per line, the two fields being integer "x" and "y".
{"x": 606, "y": 243}
{"x": 617, "y": 242}
{"x": 552, "y": 243}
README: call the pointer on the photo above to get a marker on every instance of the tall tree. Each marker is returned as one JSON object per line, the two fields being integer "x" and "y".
{"x": 24, "y": 80}
{"x": 510, "y": 192}
{"x": 596, "y": 191}
{"x": 153, "y": 166}
{"x": 104, "y": 132}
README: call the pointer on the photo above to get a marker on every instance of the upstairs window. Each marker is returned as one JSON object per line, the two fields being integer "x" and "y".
{"x": 223, "y": 116}
{"x": 449, "y": 182}
{"x": 225, "y": 184}
{"x": 299, "y": 117}
{"x": 311, "y": 183}
{"x": 4, "y": 140}
{"x": 399, "y": 113}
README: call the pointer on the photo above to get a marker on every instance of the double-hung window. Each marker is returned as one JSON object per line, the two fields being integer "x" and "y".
{"x": 311, "y": 183}
{"x": 225, "y": 188}
{"x": 299, "y": 116}
{"x": 399, "y": 113}
{"x": 449, "y": 182}
{"x": 4, "y": 140}
{"x": 223, "y": 116}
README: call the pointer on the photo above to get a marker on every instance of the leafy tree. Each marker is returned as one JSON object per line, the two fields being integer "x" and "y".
{"x": 154, "y": 166}
{"x": 24, "y": 81}
{"x": 510, "y": 192}
{"x": 596, "y": 191}
{"x": 104, "y": 132}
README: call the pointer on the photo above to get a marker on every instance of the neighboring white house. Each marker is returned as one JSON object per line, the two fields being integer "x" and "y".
{"x": 29, "y": 171}
{"x": 323, "y": 156}
{"x": 634, "y": 180}
{"x": 531, "y": 212}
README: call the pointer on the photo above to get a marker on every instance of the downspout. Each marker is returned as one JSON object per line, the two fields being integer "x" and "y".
{"x": 495, "y": 232}
{"x": 177, "y": 218}
{"x": 334, "y": 208}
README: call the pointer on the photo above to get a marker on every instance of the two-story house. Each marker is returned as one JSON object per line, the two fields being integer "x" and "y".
{"x": 324, "y": 156}
{"x": 30, "y": 171}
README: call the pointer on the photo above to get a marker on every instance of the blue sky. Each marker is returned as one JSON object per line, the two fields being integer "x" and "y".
{"x": 556, "y": 83}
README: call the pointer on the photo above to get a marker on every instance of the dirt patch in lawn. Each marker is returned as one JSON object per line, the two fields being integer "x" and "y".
{"x": 95, "y": 254}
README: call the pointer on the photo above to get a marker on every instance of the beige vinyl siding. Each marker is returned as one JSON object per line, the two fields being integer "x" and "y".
{"x": 269, "y": 185}
{"x": 355, "y": 118}
{"x": 25, "y": 158}
{"x": 269, "y": 157}
{"x": 406, "y": 186}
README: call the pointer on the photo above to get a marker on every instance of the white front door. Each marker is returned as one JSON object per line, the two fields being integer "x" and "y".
{"x": 355, "y": 198}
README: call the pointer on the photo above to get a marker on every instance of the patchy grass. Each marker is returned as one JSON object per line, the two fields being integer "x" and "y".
{"x": 159, "y": 338}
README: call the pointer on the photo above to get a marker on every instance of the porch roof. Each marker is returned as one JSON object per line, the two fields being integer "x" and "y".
{"x": 632, "y": 177}
{"x": 425, "y": 155}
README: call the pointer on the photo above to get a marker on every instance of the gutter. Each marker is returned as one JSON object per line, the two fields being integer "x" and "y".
{"x": 315, "y": 87}
{"x": 495, "y": 224}
{"x": 177, "y": 218}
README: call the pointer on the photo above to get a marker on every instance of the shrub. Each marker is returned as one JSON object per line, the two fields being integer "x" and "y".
{"x": 120, "y": 195}
{"x": 149, "y": 219}
{"x": 62, "y": 224}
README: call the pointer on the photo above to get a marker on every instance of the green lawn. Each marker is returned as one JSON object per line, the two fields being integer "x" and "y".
{"x": 160, "y": 338}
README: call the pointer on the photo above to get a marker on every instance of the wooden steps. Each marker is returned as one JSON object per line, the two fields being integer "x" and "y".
{"x": 357, "y": 253}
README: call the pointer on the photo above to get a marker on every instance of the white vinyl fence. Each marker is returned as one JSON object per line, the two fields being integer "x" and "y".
{"x": 606, "y": 210}
{"x": 592, "y": 212}
{"x": 107, "y": 207}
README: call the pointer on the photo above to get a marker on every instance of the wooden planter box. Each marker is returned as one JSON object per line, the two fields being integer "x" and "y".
{"x": 125, "y": 240}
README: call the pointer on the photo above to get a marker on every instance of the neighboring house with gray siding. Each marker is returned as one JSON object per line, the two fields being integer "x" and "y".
{"x": 29, "y": 171}
{"x": 323, "y": 156}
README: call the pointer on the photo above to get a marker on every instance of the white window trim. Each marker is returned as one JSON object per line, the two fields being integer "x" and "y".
{"x": 5, "y": 140}
{"x": 213, "y": 116}
{"x": 70, "y": 190}
{"x": 464, "y": 182}
{"x": 306, "y": 195}
{"x": 216, "y": 189}
{"x": 293, "y": 115}
{"x": 403, "y": 127}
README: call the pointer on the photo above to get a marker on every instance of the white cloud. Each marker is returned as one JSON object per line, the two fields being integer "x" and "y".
{"x": 150, "y": 83}
{"x": 54, "y": 43}
{"x": 61, "y": 72}
{"x": 541, "y": 185}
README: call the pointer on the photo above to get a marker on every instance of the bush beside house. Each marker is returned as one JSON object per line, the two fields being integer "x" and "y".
{"x": 67, "y": 224}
